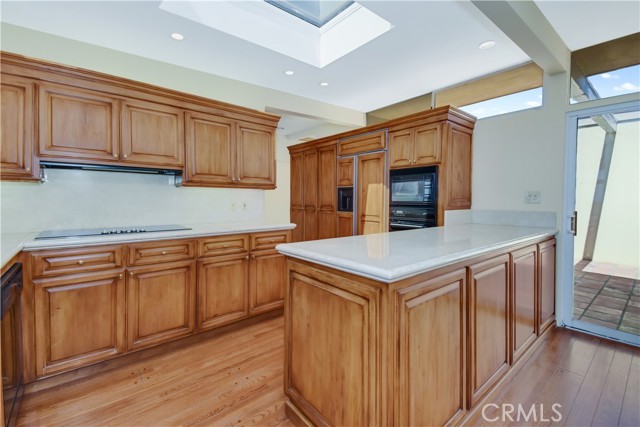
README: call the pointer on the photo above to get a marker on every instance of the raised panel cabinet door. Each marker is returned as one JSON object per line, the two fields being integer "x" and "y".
{"x": 372, "y": 194}
{"x": 256, "y": 155}
{"x": 297, "y": 181}
{"x": 77, "y": 124}
{"x": 345, "y": 172}
{"x": 326, "y": 179}
{"x": 401, "y": 149}
{"x": 297, "y": 218}
{"x": 428, "y": 142}
{"x": 210, "y": 144}
{"x": 160, "y": 303}
{"x": 327, "y": 224}
{"x": 79, "y": 320}
{"x": 152, "y": 134}
{"x": 268, "y": 273}
{"x": 222, "y": 290}
{"x": 310, "y": 179}
{"x": 332, "y": 349}
{"x": 432, "y": 336}
{"x": 370, "y": 141}
{"x": 546, "y": 284}
{"x": 17, "y": 129}
{"x": 345, "y": 224}
{"x": 310, "y": 224}
{"x": 488, "y": 325}
{"x": 523, "y": 300}
{"x": 458, "y": 168}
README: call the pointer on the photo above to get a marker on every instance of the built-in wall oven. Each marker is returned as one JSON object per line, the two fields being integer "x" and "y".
{"x": 12, "y": 363}
{"x": 414, "y": 198}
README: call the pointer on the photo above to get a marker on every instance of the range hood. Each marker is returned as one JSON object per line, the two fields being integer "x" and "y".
{"x": 110, "y": 168}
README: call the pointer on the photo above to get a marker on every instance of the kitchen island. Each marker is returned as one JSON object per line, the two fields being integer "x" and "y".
{"x": 412, "y": 327}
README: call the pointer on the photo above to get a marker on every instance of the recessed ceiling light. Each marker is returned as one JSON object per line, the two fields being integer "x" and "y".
{"x": 289, "y": 73}
{"x": 324, "y": 84}
{"x": 177, "y": 36}
{"x": 487, "y": 45}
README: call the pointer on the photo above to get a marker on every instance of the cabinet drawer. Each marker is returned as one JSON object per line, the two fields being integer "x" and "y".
{"x": 224, "y": 245}
{"x": 268, "y": 240}
{"x": 152, "y": 253}
{"x": 72, "y": 261}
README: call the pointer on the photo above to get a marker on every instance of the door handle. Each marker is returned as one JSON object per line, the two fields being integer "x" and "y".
{"x": 574, "y": 223}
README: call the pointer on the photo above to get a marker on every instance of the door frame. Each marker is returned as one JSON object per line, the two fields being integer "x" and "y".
{"x": 568, "y": 207}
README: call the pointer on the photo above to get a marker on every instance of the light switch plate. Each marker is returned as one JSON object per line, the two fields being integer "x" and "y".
{"x": 532, "y": 196}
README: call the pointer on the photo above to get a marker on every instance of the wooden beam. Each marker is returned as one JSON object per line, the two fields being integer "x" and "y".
{"x": 612, "y": 55}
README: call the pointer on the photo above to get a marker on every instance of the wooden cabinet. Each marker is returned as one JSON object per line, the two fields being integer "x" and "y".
{"x": 58, "y": 262}
{"x": 327, "y": 192}
{"x": 431, "y": 333}
{"x": 418, "y": 146}
{"x": 345, "y": 224}
{"x": 372, "y": 193}
{"x": 523, "y": 300}
{"x": 297, "y": 201}
{"x": 160, "y": 303}
{"x": 546, "y": 284}
{"x": 345, "y": 172}
{"x": 210, "y": 149}
{"x": 267, "y": 275}
{"x": 17, "y": 144}
{"x": 161, "y": 252}
{"x": 152, "y": 134}
{"x": 456, "y": 191}
{"x": 78, "y": 125}
{"x": 310, "y": 195}
{"x": 488, "y": 325}
{"x": 79, "y": 320}
{"x": 363, "y": 143}
{"x": 255, "y": 152}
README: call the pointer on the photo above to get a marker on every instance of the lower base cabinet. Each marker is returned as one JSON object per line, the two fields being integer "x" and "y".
{"x": 267, "y": 278}
{"x": 160, "y": 303}
{"x": 423, "y": 351}
{"x": 79, "y": 320}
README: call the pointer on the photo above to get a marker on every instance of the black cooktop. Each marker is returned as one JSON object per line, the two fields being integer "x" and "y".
{"x": 56, "y": 234}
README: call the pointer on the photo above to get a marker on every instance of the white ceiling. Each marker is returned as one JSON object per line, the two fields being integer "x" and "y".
{"x": 432, "y": 45}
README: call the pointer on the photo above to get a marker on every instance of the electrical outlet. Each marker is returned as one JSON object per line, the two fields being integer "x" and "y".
{"x": 232, "y": 206}
{"x": 532, "y": 196}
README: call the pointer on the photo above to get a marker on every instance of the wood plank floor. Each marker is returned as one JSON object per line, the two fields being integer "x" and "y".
{"x": 235, "y": 379}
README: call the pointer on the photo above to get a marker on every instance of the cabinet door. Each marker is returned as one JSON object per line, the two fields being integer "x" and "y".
{"x": 152, "y": 134}
{"x": 210, "y": 149}
{"x": 310, "y": 195}
{"x": 16, "y": 129}
{"x": 428, "y": 140}
{"x": 458, "y": 168}
{"x": 160, "y": 303}
{"x": 432, "y": 351}
{"x": 345, "y": 172}
{"x": 523, "y": 300}
{"x": 77, "y": 124}
{"x": 372, "y": 194}
{"x": 222, "y": 290}
{"x": 401, "y": 149}
{"x": 327, "y": 193}
{"x": 256, "y": 155}
{"x": 546, "y": 284}
{"x": 488, "y": 325}
{"x": 370, "y": 141}
{"x": 268, "y": 273}
{"x": 345, "y": 224}
{"x": 79, "y": 320}
{"x": 297, "y": 202}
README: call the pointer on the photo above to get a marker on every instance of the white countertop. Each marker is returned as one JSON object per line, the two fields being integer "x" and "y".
{"x": 12, "y": 243}
{"x": 389, "y": 257}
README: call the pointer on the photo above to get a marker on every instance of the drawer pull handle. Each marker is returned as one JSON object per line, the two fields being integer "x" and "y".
{"x": 225, "y": 246}
{"x": 81, "y": 262}
{"x": 164, "y": 252}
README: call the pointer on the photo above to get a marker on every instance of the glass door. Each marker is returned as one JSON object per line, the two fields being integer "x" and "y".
{"x": 602, "y": 296}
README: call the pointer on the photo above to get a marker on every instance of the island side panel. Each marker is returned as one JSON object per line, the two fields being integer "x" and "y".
{"x": 332, "y": 347}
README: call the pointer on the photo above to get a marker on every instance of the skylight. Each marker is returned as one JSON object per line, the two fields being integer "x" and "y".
{"x": 315, "y": 12}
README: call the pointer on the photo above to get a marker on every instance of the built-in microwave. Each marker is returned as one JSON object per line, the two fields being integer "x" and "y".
{"x": 414, "y": 186}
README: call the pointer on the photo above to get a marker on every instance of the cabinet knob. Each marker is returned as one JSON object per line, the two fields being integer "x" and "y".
{"x": 81, "y": 262}
{"x": 164, "y": 252}
{"x": 131, "y": 274}
{"x": 253, "y": 256}
{"x": 124, "y": 156}
{"x": 115, "y": 155}
{"x": 225, "y": 246}
{"x": 247, "y": 257}
{"x": 28, "y": 170}
{"x": 120, "y": 276}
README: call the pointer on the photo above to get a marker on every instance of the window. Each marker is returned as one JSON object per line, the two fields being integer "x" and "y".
{"x": 317, "y": 13}
{"x": 506, "y": 104}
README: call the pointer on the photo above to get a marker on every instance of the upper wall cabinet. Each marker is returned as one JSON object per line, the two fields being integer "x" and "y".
{"x": 76, "y": 124}
{"x": 152, "y": 134}
{"x": 420, "y": 146}
{"x": 17, "y": 129}
{"x": 88, "y": 117}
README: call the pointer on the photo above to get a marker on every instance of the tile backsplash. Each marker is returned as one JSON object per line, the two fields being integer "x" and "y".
{"x": 86, "y": 199}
